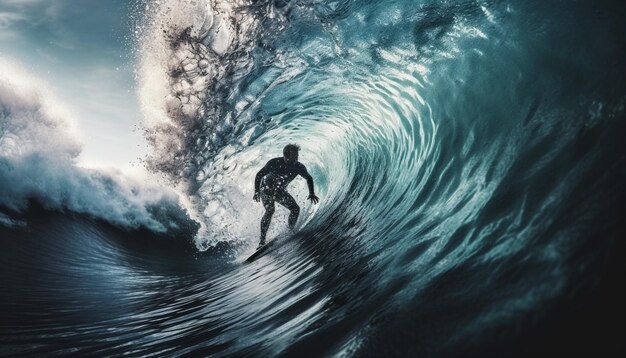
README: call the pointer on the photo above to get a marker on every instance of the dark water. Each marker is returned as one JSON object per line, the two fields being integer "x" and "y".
{"x": 469, "y": 157}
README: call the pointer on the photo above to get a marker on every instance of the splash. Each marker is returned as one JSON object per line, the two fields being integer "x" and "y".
{"x": 38, "y": 150}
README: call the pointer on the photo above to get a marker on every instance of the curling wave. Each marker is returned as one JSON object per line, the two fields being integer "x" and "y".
{"x": 468, "y": 158}
{"x": 440, "y": 135}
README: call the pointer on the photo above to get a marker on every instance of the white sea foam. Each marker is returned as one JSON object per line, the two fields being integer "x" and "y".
{"x": 39, "y": 145}
{"x": 188, "y": 53}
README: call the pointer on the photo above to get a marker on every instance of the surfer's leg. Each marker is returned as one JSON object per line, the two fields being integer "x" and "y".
{"x": 268, "y": 203}
{"x": 285, "y": 199}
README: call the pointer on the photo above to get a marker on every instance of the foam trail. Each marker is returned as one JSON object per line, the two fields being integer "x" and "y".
{"x": 38, "y": 150}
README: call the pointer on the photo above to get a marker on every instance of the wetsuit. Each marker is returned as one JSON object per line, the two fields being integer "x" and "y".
{"x": 271, "y": 182}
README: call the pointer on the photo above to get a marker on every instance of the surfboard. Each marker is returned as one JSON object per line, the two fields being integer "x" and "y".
{"x": 259, "y": 251}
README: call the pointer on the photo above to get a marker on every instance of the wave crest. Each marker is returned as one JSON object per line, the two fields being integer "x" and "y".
{"x": 38, "y": 151}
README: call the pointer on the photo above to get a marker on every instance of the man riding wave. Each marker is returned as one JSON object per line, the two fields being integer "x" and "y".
{"x": 270, "y": 185}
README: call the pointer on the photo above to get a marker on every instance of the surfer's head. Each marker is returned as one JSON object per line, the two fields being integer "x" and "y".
{"x": 290, "y": 153}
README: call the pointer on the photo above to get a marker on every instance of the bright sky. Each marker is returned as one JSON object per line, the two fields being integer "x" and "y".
{"x": 81, "y": 48}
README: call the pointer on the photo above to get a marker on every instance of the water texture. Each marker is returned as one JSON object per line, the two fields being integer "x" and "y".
{"x": 468, "y": 157}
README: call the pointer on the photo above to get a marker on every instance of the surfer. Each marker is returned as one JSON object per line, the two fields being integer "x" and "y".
{"x": 270, "y": 185}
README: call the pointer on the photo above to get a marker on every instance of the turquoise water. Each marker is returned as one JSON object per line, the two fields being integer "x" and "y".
{"x": 468, "y": 159}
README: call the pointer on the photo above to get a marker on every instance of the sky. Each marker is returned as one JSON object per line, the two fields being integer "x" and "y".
{"x": 81, "y": 48}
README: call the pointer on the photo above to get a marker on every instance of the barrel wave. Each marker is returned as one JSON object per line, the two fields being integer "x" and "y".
{"x": 467, "y": 155}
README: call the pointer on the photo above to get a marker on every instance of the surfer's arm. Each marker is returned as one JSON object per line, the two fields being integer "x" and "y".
{"x": 309, "y": 180}
{"x": 257, "y": 180}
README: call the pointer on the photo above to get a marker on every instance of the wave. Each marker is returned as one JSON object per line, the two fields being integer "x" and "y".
{"x": 468, "y": 157}
{"x": 38, "y": 150}
{"x": 440, "y": 136}
{"x": 400, "y": 127}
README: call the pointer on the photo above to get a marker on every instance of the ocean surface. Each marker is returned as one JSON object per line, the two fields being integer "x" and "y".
{"x": 469, "y": 156}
